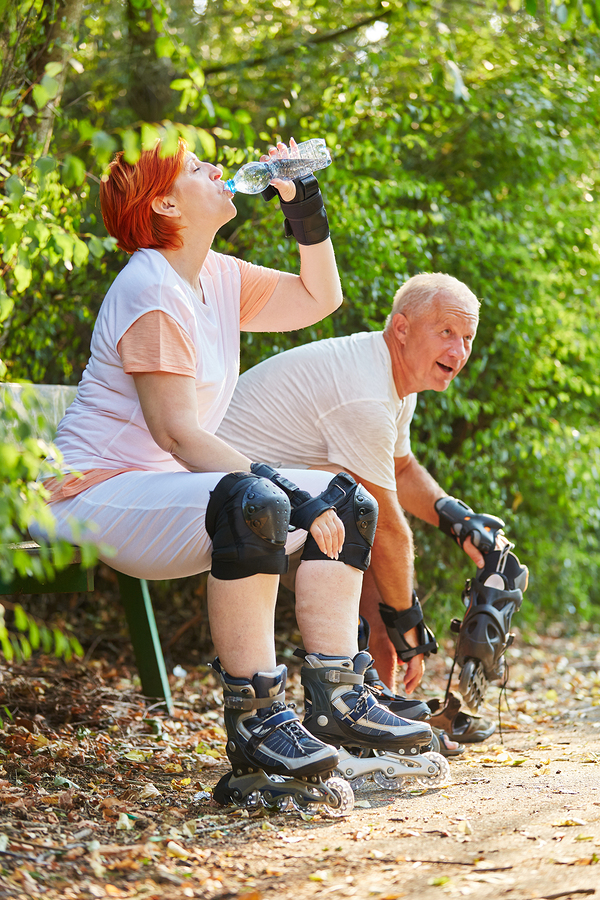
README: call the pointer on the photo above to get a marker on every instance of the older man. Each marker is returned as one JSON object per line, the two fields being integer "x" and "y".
{"x": 347, "y": 403}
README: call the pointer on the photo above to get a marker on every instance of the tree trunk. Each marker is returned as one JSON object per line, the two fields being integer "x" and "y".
{"x": 61, "y": 40}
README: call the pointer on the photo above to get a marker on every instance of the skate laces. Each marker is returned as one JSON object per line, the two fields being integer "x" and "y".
{"x": 364, "y": 702}
{"x": 503, "y": 693}
{"x": 292, "y": 727}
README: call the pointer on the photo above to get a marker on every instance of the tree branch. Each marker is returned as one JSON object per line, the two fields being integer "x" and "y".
{"x": 320, "y": 39}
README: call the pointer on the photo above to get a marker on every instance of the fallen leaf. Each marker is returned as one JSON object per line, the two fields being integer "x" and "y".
{"x": 319, "y": 875}
{"x": 124, "y": 823}
{"x": 177, "y": 850}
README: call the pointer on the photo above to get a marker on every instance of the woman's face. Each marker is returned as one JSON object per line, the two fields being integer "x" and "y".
{"x": 200, "y": 194}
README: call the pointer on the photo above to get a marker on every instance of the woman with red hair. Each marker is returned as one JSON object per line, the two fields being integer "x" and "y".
{"x": 170, "y": 497}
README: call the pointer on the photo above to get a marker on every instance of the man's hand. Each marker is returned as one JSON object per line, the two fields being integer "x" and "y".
{"x": 476, "y": 555}
{"x": 415, "y": 667}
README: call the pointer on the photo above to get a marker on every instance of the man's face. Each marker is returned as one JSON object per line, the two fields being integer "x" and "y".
{"x": 436, "y": 345}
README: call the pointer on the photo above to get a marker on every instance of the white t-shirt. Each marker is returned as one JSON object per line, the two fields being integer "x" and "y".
{"x": 104, "y": 428}
{"x": 330, "y": 401}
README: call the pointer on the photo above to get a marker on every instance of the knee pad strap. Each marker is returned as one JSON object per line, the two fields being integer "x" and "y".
{"x": 358, "y": 511}
{"x": 247, "y": 519}
{"x": 398, "y": 622}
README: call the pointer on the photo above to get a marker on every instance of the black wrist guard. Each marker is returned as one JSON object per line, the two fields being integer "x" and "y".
{"x": 397, "y": 623}
{"x": 305, "y": 216}
{"x": 305, "y": 509}
{"x": 460, "y": 522}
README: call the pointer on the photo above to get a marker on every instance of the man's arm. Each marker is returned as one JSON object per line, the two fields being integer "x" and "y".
{"x": 418, "y": 492}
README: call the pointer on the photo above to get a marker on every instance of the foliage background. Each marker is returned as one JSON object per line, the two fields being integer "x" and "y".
{"x": 464, "y": 138}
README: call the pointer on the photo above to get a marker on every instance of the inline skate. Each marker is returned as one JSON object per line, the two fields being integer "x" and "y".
{"x": 491, "y": 598}
{"x": 372, "y": 741}
{"x": 276, "y": 762}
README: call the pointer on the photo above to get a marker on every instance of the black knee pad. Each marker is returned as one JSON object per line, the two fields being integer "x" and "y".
{"x": 358, "y": 511}
{"x": 247, "y": 519}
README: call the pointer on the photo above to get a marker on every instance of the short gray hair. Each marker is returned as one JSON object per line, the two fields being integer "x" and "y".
{"x": 419, "y": 294}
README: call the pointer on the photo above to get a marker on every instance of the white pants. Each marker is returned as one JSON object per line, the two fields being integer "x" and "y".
{"x": 154, "y": 521}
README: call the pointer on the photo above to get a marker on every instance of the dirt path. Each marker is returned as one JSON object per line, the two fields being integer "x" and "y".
{"x": 521, "y": 819}
{"x": 133, "y": 817}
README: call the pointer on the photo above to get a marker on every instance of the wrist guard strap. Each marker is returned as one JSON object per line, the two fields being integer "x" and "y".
{"x": 397, "y": 623}
{"x": 460, "y": 522}
{"x": 305, "y": 216}
{"x": 305, "y": 509}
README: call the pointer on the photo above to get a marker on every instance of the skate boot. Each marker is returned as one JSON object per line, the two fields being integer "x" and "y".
{"x": 396, "y": 703}
{"x": 484, "y": 633}
{"x": 373, "y": 742}
{"x": 275, "y": 761}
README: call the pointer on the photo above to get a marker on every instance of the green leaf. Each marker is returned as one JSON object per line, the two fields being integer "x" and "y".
{"x": 53, "y": 68}
{"x": 22, "y": 275}
{"x": 45, "y": 165}
{"x": 73, "y": 170}
{"x": 61, "y": 644}
{"x": 197, "y": 76}
{"x": 6, "y": 306}
{"x": 46, "y": 638}
{"x": 76, "y": 647}
{"x": 131, "y": 146}
{"x": 96, "y": 247}
{"x": 14, "y": 188}
{"x": 104, "y": 145}
{"x": 34, "y": 634}
{"x": 40, "y": 95}
{"x": 150, "y": 136}
{"x": 531, "y": 7}
{"x": 7, "y": 649}
{"x": 26, "y": 651}
{"x": 21, "y": 619}
{"x": 164, "y": 46}
{"x": 207, "y": 142}
{"x": 179, "y": 84}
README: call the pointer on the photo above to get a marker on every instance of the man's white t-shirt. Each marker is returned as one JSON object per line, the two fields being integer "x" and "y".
{"x": 329, "y": 401}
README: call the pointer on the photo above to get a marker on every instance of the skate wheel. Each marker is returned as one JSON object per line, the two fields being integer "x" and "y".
{"x": 342, "y": 790}
{"x": 221, "y": 793}
{"x": 388, "y": 784}
{"x": 283, "y": 804}
{"x": 473, "y": 683}
{"x": 356, "y": 783}
{"x": 253, "y": 800}
{"x": 302, "y": 805}
{"x": 442, "y": 776}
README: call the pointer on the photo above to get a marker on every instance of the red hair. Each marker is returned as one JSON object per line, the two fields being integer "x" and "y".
{"x": 126, "y": 195}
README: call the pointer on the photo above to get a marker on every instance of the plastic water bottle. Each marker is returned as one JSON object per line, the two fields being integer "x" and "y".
{"x": 256, "y": 176}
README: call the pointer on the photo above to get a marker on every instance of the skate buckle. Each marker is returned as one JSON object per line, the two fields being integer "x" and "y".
{"x": 333, "y": 676}
{"x": 238, "y": 703}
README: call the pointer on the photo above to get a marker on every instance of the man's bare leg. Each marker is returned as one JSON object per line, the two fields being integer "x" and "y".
{"x": 380, "y": 647}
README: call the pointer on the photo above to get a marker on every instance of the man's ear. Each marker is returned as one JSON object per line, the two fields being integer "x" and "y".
{"x": 166, "y": 206}
{"x": 400, "y": 327}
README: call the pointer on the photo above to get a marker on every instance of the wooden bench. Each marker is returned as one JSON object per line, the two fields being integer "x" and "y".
{"x": 135, "y": 597}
